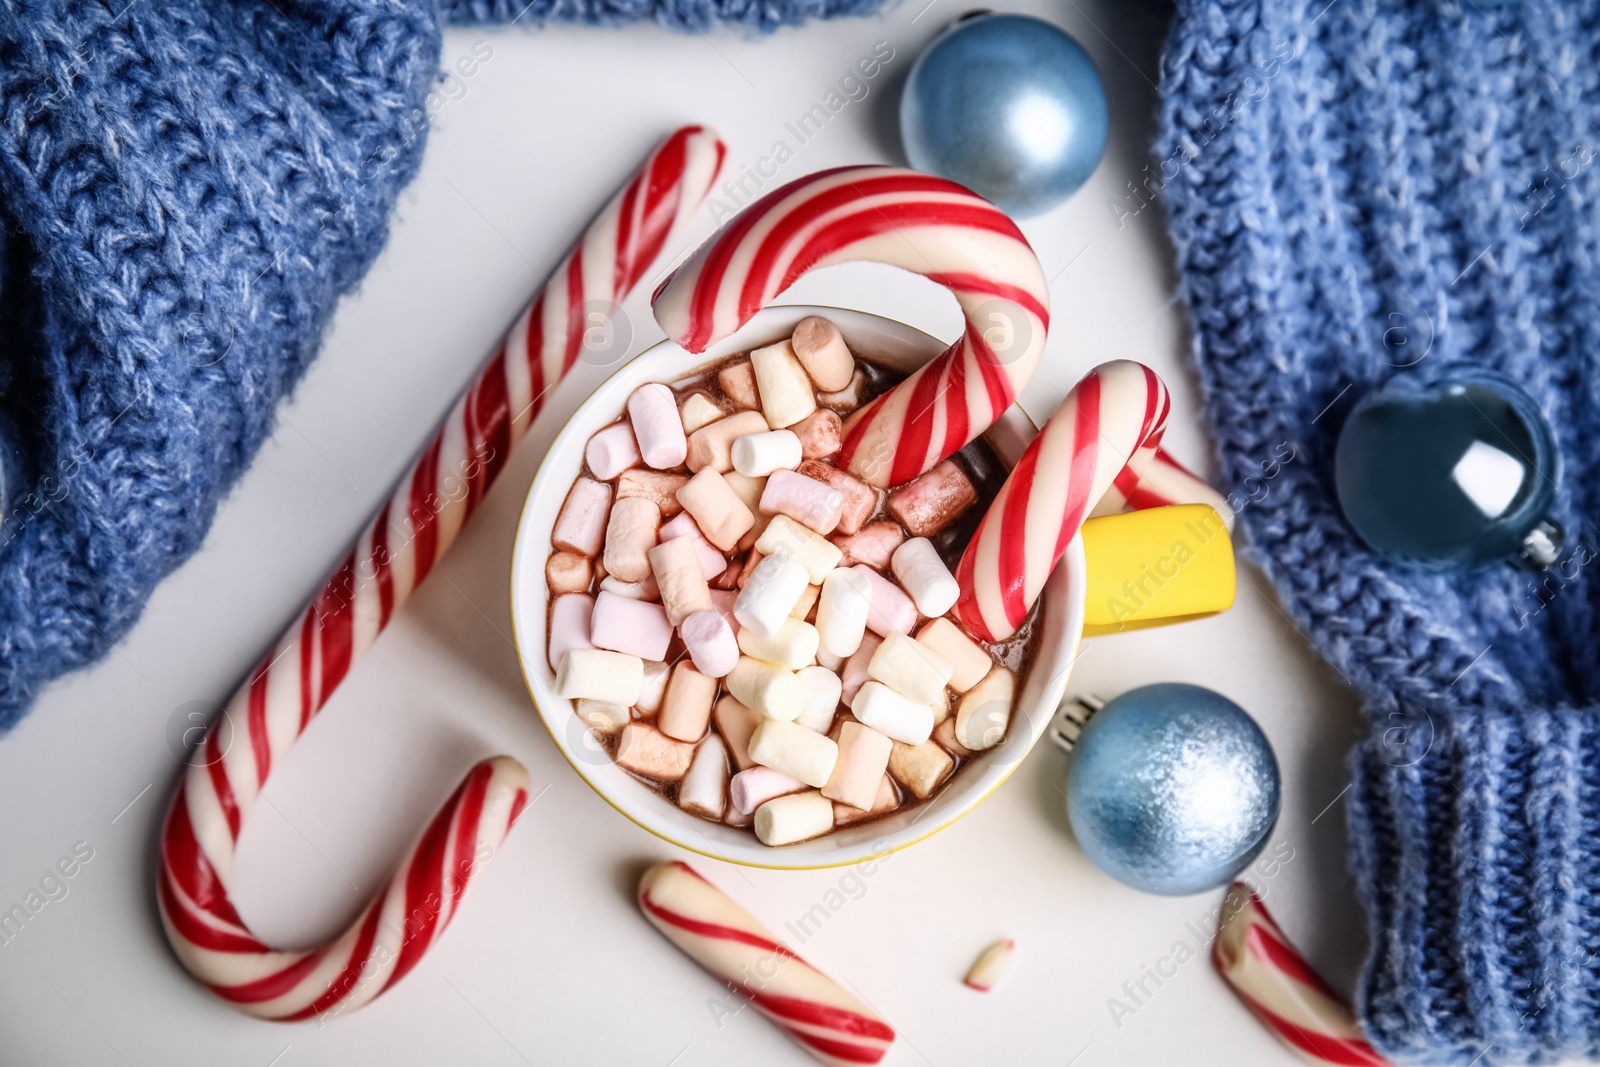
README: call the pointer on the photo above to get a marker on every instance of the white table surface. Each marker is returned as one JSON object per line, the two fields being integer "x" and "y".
{"x": 548, "y": 960}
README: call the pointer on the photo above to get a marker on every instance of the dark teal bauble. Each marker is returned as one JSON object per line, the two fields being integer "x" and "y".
{"x": 1454, "y": 472}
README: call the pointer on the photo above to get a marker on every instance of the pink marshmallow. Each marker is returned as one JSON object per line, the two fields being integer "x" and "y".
{"x": 931, "y": 501}
{"x": 754, "y": 786}
{"x": 803, "y": 499}
{"x": 873, "y": 546}
{"x": 653, "y": 412}
{"x": 710, "y": 641}
{"x": 712, "y": 562}
{"x": 819, "y": 433}
{"x": 611, "y": 451}
{"x": 854, "y": 675}
{"x": 581, "y": 524}
{"x": 891, "y": 608}
{"x": 636, "y": 627}
{"x": 570, "y": 618}
{"x": 860, "y": 500}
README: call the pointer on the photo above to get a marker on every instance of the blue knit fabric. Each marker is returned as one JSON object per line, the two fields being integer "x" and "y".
{"x": 1341, "y": 178}
{"x": 186, "y": 190}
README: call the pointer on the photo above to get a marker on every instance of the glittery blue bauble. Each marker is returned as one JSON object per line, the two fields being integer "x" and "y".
{"x": 1172, "y": 789}
{"x": 1451, "y": 472}
{"x": 1009, "y": 106}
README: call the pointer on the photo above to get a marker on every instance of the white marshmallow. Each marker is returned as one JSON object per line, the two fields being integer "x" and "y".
{"x": 767, "y": 598}
{"x": 698, "y": 411}
{"x": 653, "y": 414}
{"x": 785, "y": 390}
{"x": 594, "y": 674}
{"x": 654, "y": 686}
{"x": 914, "y": 671}
{"x": 794, "y": 750}
{"x": 985, "y": 711}
{"x": 968, "y": 661}
{"x": 887, "y": 712}
{"x": 796, "y": 817}
{"x": 842, "y": 612}
{"x": 645, "y": 590}
{"x": 863, "y": 757}
{"x": 612, "y": 451}
{"x": 602, "y": 715}
{"x": 676, "y": 566}
{"x": 924, "y": 577}
{"x": 702, "y": 790}
{"x": 822, "y": 689}
{"x": 784, "y": 536}
{"x": 767, "y": 688}
{"x": 754, "y": 786}
{"x": 756, "y": 455}
{"x": 792, "y": 647}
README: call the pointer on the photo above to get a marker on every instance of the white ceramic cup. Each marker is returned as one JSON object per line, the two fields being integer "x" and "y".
{"x": 891, "y": 344}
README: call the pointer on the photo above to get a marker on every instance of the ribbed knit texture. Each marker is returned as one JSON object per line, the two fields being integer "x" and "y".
{"x": 186, "y": 190}
{"x": 1371, "y": 171}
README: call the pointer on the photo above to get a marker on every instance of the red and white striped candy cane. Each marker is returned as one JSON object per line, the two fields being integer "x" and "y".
{"x": 1111, "y": 421}
{"x": 923, "y": 224}
{"x": 1280, "y": 988}
{"x": 390, "y": 559}
{"x": 1161, "y": 482}
{"x": 825, "y": 1019}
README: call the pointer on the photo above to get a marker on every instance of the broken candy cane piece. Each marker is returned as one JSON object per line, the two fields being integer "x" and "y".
{"x": 990, "y": 966}
{"x": 825, "y": 1019}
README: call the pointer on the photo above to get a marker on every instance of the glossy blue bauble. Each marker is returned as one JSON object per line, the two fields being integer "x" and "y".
{"x": 1452, "y": 472}
{"x": 1172, "y": 789}
{"x": 1009, "y": 106}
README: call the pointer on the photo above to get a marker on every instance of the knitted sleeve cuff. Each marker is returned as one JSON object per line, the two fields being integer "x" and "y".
{"x": 1474, "y": 851}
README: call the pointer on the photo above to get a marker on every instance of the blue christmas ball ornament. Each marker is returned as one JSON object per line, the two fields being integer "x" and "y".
{"x": 1009, "y": 106}
{"x": 1172, "y": 789}
{"x": 1459, "y": 471}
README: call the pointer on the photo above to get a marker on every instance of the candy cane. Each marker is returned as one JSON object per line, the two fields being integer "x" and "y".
{"x": 390, "y": 559}
{"x": 923, "y": 224}
{"x": 1280, "y": 988}
{"x": 1162, "y": 481}
{"x": 828, "y": 1022}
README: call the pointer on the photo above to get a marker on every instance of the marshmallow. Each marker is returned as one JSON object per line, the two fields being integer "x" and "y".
{"x": 591, "y": 674}
{"x": 749, "y": 489}
{"x": 914, "y": 671}
{"x": 581, "y": 525}
{"x": 751, "y": 562}
{"x": 756, "y": 455}
{"x": 712, "y": 562}
{"x": 602, "y": 715}
{"x": 905, "y": 720}
{"x": 766, "y": 688}
{"x": 805, "y": 499}
{"x": 945, "y": 735}
{"x": 570, "y": 616}
{"x": 820, "y": 348}
{"x": 848, "y": 398}
{"x": 710, "y": 445}
{"x": 830, "y": 661}
{"x": 567, "y": 572}
{"x": 985, "y": 711}
{"x": 941, "y": 707}
{"x": 892, "y": 610}
{"x": 863, "y": 757}
{"x": 822, "y": 689}
{"x": 637, "y": 627}
{"x": 887, "y": 798}
{"x": 796, "y": 817}
{"x": 774, "y": 585}
{"x": 708, "y": 636}
{"x": 658, "y": 487}
{"x": 842, "y": 612}
{"x": 736, "y": 722}
{"x": 854, "y": 674}
{"x": 794, "y": 750}
{"x": 645, "y": 590}
{"x": 920, "y": 768}
{"x": 808, "y": 600}
{"x": 860, "y": 499}
{"x": 653, "y": 414}
{"x": 931, "y": 501}
{"x": 793, "y": 646}
{"x": 701, "y": 791}
{"x": 784, "y": 536}
{"x": 819, "y": 433}
{"x": 738, "y": 382}
{"x": 611, "y": 451}
{"x": 754, "y": 786}
{"x": 924, "y": 577}
{"x": 734, "y": 817}
{"x": 968, "y": 662}
{"x": 687, "y": 707}
{"x": 991, "y": 966}
{"x": 874, "y": 545}
{"x": 631, "y": 533}
{"x": 646, "y": 751}
{"x": 716, "y": 509}
{"x": 653, "y": 688}
{"x": 697, "y": 411}
{"x": 781, "y": 381}
{"x": 676, "y": 566}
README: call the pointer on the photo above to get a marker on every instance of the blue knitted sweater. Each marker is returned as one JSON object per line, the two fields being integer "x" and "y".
{"x": 1353, "y": 186}
{"x": 186, "y": 189}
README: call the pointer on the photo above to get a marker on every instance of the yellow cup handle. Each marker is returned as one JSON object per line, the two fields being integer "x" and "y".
{"x": 1157, "y": 566}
